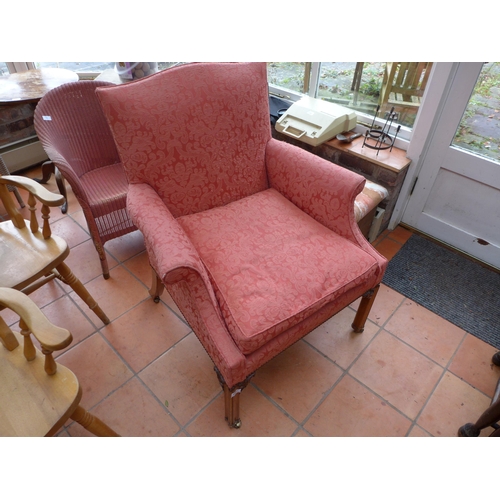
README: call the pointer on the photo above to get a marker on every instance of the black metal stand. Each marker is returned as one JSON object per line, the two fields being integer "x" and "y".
{"x": 380, "y": 139}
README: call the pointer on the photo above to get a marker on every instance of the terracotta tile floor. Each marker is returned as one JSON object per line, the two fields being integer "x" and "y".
{"x": 410, "y": 373}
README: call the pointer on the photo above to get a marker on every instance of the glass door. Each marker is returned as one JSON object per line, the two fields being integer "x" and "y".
{"x": 457, "y": 195}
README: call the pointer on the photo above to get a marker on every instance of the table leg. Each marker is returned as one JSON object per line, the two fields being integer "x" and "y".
{"x": 48, "y": 168}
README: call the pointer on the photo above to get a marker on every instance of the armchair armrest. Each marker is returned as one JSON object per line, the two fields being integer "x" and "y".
{"x": 169, "y": 248}
{"x": 179, "y": 266}
{"x": 322, "y": 189}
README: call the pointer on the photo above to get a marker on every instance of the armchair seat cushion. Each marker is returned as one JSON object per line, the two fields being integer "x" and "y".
{"x": 272, "y": 265}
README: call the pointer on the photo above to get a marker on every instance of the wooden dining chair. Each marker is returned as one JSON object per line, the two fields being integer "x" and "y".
{"x": 31, "y": 257}
{"x": 37, "y": 395}
{"x": 490, "y": 417}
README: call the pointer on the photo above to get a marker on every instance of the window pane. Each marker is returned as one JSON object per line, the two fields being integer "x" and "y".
{"x": 165, "y": 65}
{"x": 365, "y": 85}
{"x": 3, "y": 69}
{"x": 289, "y": 75}
{"x": 79, "y": 67}
{"x": 352, "y": 84}
{"x": 479, "y": 130}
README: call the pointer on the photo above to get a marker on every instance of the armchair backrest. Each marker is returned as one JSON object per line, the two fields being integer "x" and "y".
{"x": 196, "y": 133}
{"x": 73, "y": 129}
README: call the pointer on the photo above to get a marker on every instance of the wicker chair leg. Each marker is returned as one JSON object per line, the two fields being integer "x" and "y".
{"x": 103, "y": 259}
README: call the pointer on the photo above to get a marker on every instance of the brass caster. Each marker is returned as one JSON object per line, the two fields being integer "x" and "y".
{"x": 156, "y": 300}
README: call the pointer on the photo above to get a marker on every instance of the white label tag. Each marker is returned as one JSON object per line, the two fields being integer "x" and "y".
{"x": 47, "y": 118}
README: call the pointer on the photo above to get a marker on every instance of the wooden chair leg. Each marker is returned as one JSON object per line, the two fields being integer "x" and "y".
{"x": 157, "y": 286}
{"x": 232, "y": 408}
{"x": 92, "y": 423}
{"x": 364, "y": 308}
{"x": 70, "y": 279}
{"x": 490, "y": 417}
{"x": 232, "y": 399}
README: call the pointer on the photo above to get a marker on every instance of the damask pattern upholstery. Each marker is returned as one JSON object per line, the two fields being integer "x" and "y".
{"x": 271, "y": 265}
{"x": 198, "y": 147}
{"x": 255, "y": 239}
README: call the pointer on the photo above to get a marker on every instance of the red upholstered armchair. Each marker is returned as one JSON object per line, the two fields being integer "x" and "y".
{"x": 255, "y": 239}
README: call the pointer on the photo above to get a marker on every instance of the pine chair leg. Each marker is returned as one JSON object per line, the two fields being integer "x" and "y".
{"x": 364, "y": 309}
{"x": 92, "y": 423}
{"x": 232, "y": 399}
{"x": 70, "y": 279}
{"x": 157, "y": 286}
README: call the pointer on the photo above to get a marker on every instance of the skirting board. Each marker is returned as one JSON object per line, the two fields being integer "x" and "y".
{"x": 26, "y": 155}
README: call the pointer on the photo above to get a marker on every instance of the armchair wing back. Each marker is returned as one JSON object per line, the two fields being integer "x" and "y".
{"x": 198, "y": 146}
{"x": 255, "y": 239}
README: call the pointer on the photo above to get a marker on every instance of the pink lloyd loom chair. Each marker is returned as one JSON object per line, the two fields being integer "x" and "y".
{"x": 76, "y": 137}
{"x": 255, "y": 239}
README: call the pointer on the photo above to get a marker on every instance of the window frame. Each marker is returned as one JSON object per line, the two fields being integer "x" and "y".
{"x": 314, "y": 68}
{"x": 405, "y": 133}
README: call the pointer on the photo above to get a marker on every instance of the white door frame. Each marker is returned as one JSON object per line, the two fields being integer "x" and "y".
{"x": 455, "y": 198}
{"x": 430, "y": 111}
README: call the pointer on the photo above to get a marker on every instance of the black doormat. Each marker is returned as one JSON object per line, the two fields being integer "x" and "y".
{"x": 450, "y": 285}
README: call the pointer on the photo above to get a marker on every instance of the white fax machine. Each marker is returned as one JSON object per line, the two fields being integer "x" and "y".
{"x": 315, "y": 121}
